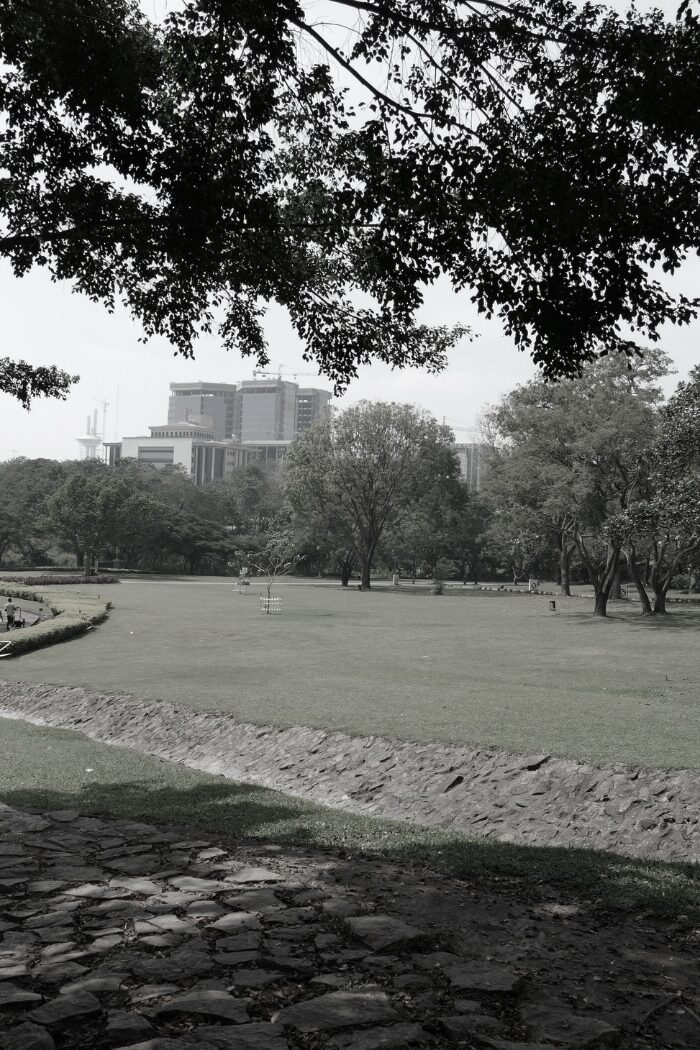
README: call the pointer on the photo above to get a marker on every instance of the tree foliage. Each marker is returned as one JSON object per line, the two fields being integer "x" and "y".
{"x": 543, "y": 156}
{"x": 571, "y": 457}
{"x": 664, "y": 525}
{"x": 367, "y": 466}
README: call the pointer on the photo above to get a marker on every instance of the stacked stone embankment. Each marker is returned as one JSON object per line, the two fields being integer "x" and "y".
{"x": 531, "y": 799}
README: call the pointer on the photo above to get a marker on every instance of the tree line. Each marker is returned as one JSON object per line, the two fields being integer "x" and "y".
{"x": 602, "y": 472}
{"x": 132, "y": 516}
{"x": 592, "y": 479}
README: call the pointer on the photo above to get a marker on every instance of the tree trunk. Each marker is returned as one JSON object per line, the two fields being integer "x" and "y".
{"x": 366, "y": 558}
{"x": 87, "y": 563}
{"x": 616, "y": 585}
{"x": 564, "y": 562}
{"x": 630, "y": 556}
{"x": 660, "y": 586}
{"x": 475, "y": 571}
{"x": 602, "y": 580}
{"x": 413, "y": 569}
{"x": 346, "y": 565}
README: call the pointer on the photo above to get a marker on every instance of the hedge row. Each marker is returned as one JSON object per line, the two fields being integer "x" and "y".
{"x": 51, "y": 581}
{"x": 73, "y": 614}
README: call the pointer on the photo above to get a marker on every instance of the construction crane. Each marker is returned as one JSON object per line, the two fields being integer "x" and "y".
{"x": 280, "y": 373}
{"x": 105, "y": 406}
{"x": 474, "y": 431}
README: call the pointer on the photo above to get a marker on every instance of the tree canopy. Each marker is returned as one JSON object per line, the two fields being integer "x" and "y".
{"x": 365, "y": 468}
{"x": 541, "y": 155}
{"x": 573, "y": 456}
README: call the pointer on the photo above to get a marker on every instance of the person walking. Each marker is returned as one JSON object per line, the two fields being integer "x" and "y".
{"x": 10, "y": 610}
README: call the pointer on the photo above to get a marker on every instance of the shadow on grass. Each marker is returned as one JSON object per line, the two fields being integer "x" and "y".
{"x": 674, "y": 620}
{"x": 246, "y": 814}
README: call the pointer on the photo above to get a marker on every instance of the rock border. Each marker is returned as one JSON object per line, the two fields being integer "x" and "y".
{"x": 531, "y": 800}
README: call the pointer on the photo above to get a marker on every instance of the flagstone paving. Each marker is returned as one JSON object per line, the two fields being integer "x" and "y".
{"x": 120, "y": 934}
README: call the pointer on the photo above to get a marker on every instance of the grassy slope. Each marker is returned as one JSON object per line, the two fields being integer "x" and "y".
{"x": 54, "y": 769}
{"x": 486, "y": 668}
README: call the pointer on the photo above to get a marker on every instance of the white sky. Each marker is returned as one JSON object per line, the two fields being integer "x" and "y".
{"x": 44, "y": 323}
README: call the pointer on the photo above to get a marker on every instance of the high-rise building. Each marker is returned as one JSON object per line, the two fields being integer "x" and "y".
{"x": 311, "y": 404}
{"x": 215, "y": 428}
{"x": 210, "y": 405}
{"x": 268, "y": 410}
{"x": 471, "y": 463}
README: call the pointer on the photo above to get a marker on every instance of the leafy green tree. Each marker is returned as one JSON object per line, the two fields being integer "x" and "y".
{"x": 25, "y": 382}
{"x": 369, "y": 465}
{"x": 25, "y": 484}
{"x": 201, "y": 544}
{"x": 423, "y": 534}
{"x": 86, "y": 512}
{"x": 668, "y": 526}
{"x": 578, "y": 450}
{"x": 277, "y": 557}
{"x": 323, "y": 534}
{"x": 468, "y": 532}
{"x": 530, "y": 482}
{"x": 664, "y": 523}
{"x": 513, "y": 541}
{"x": 255, "y": 495}
{"x": 541, "y": 155}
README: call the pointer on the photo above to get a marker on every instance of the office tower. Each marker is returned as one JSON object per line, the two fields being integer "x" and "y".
{"x": 267, "y": 410}
{"x": 471, "y": 463}
{"x": 311, "y": 404}
{"x": 210, "y": 405}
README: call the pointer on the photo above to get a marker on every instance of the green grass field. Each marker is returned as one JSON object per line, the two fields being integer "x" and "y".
{"x": 54, "y": 769}
{"x": 497, "y": 670}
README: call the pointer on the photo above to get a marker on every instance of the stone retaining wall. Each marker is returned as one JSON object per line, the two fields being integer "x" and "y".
{"x": 536, "y": 799}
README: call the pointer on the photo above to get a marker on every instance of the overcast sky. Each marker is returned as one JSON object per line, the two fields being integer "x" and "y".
{"x": 44, "y": 323}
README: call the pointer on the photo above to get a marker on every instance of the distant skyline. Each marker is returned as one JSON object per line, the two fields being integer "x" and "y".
{"x": 45, "y": 323}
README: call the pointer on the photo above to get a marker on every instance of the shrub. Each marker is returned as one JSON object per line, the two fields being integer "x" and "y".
{"x": 47, "y": 632}
{"x": 52, "y": 581}
{"x": 73, "y": 614}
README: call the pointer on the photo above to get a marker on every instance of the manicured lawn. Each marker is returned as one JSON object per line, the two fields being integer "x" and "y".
{"x": 54, "y": 769}
{"x": 498, "y": 670}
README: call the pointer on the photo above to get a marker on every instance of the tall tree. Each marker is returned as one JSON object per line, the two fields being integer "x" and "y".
{"x": 578, "y": 448}
{"x": 25, "y": 484}
{"x": 369, "y": 464}
{"x": 543, "y": 156}
{"x": 86, "y": 512}
{"x": 666, "y": 524}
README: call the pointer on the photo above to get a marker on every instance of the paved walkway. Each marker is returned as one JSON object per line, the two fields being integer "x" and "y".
{"x": 114, "y": 933}
{"x": 30, "y": 619}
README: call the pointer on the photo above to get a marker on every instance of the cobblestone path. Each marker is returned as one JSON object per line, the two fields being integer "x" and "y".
{"x": 119, "y": 934}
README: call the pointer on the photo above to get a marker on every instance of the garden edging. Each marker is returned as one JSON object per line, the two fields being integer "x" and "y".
{"x": 534, "y": 800}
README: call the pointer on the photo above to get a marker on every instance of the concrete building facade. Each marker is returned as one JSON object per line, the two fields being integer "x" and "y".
{"x": 212, "y": 405}
{"x": 311, "y": 405}
{"x": 214, "y": 429}
{"x": 471, "y": 463}
{"x": 192, "y": 447}
{"x": 268, "y": 410}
